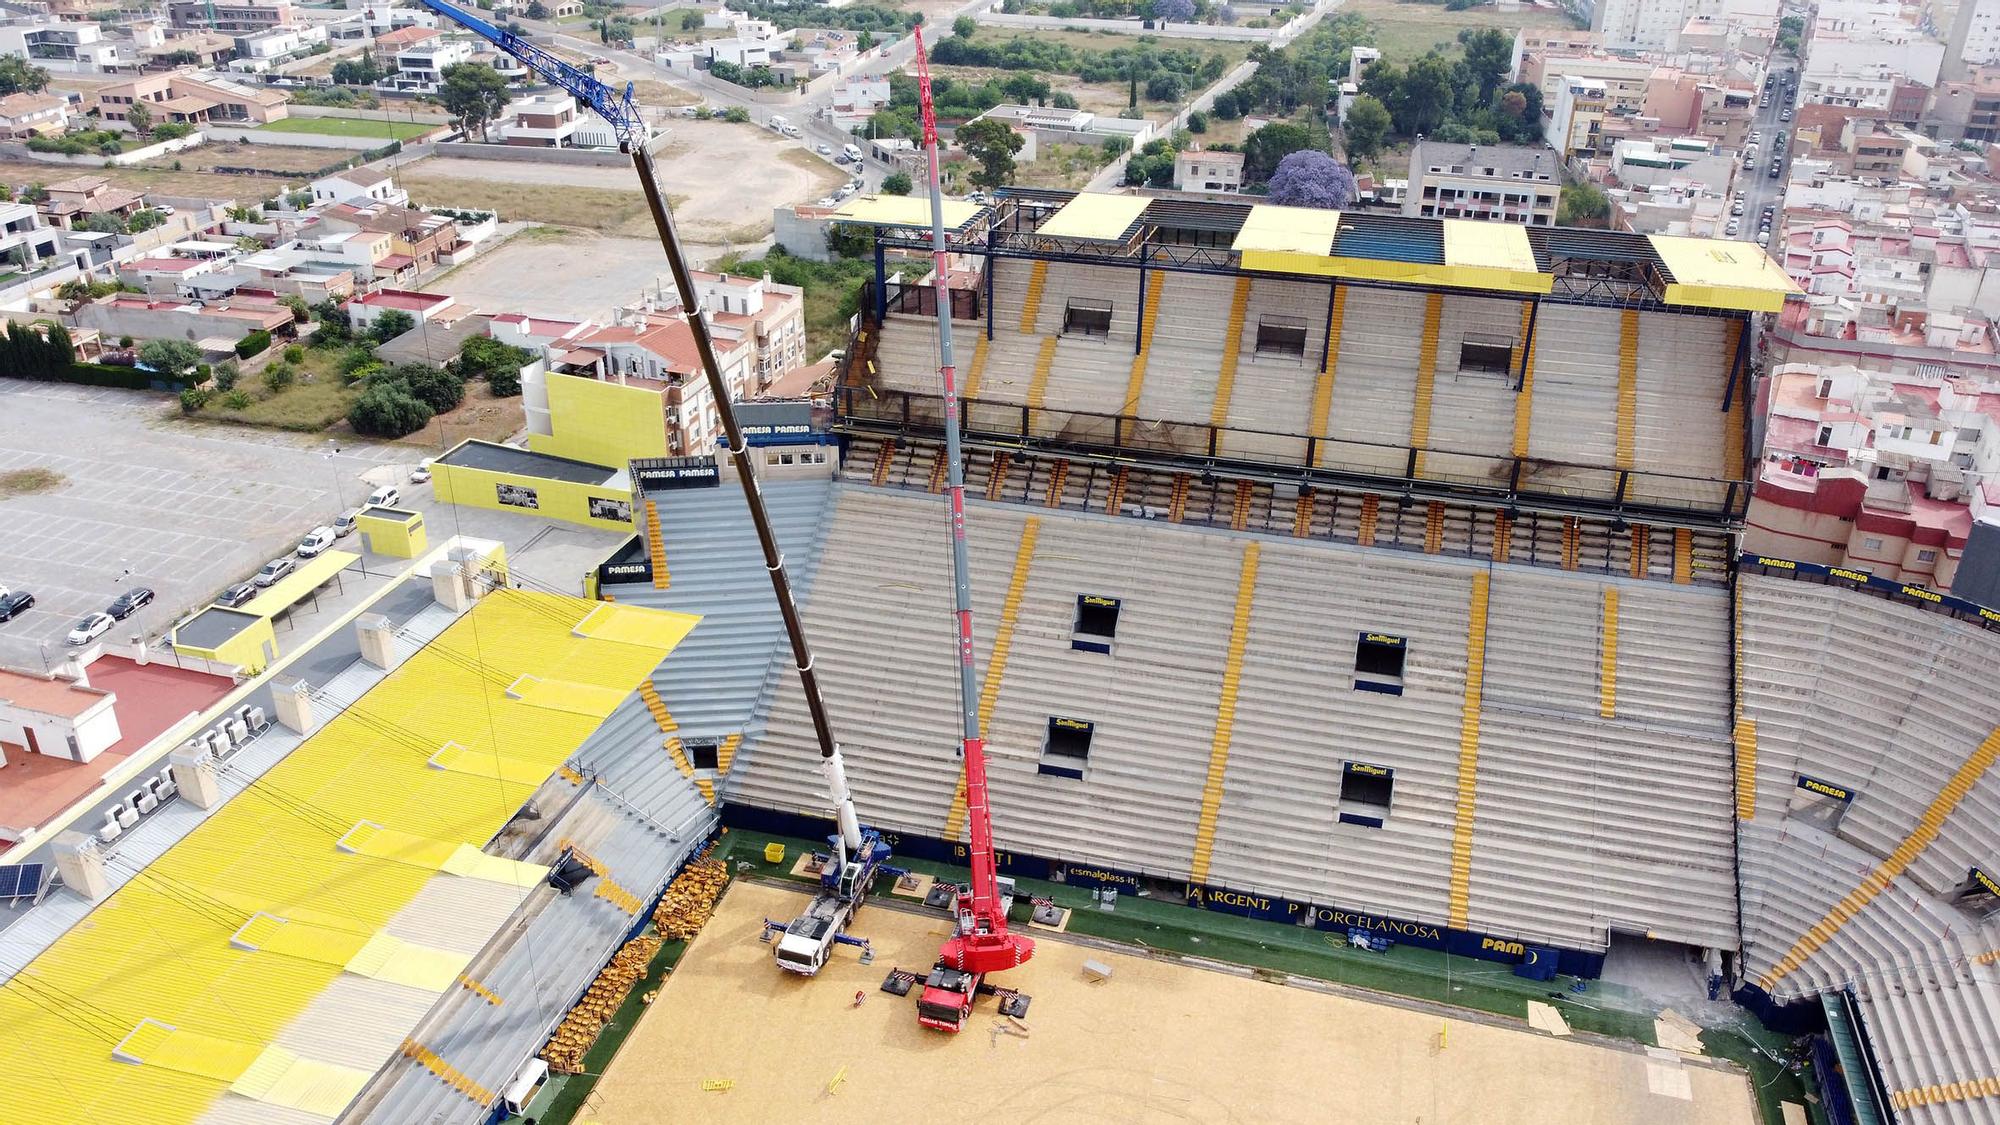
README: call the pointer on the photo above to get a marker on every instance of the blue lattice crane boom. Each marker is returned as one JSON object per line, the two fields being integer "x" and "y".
{"x": 618, "y": 109}
{"x": 859, "y": 852}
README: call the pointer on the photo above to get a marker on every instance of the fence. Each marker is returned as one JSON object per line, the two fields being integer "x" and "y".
{"x": 94, "y": 160}
{"x": 922, "y": 300}
{"x": 1218, "y": 32}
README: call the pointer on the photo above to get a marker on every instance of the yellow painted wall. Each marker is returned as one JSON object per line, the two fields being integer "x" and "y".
{"x": 252, "y": 649}
{"x": 556, "y": 499}
{"x": 601, "y": 423}
{"x": 394, "y": 537}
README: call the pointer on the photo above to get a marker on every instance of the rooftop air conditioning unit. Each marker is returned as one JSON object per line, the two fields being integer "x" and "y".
{"x": 110, "y": 830}
{"x": 243, "y": 715}
{"x": 216, "y": 743}
{"x": 126, "y": 814}
{"x": 164, "y": 786}
{"x": 238, "y": 733}
{"x": 142, "y": 800}
{"x": 258, "y": 720}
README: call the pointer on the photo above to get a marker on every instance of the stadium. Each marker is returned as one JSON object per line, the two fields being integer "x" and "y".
{"x": 1357, "y": 594}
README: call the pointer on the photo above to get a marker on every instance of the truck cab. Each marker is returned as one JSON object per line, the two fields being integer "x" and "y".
{"x": 947, "y": 998}
{"x": 809, "y": 939}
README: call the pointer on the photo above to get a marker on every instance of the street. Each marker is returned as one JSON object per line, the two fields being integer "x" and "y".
{"x": 1759, "y": 189}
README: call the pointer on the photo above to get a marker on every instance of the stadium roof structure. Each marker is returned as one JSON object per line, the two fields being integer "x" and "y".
{"x": 906, "y": 211}
{"x": 1564, "y": 263}
{"x": 265, "y": 964}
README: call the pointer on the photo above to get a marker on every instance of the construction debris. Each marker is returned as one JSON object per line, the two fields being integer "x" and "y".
{"x": 1096, "y": 971}
{"x": 580, "y": 1028}
{"x": 690, "y": 899}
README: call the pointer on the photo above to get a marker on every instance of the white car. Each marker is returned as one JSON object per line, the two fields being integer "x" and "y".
{"x": 317, "y": 542}
{"x": 422, "y": 474}
{"x": 387, "y": 496}
{"x": 825, "y": 149}
{"x": 91, "y": 628}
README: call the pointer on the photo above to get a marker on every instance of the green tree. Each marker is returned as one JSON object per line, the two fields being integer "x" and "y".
{"x": 278, "y": 376}
{"x": 139, "y": 118}
{"x": 1427, "y": 95}
{"x": 1583, "y": 205}
{"x": 474, "y": 94}
{"x": 483, "y": 357}
{"x": 736, "y": 115}
{"x": 1367, "y": 129}
{"x": 964, "y": 26}
{"x": 691, "y": 19}
{"x": 1489, "y": 55}
{"x": 540, "y": 11}
{"x": 301, "y": 312}
{"x": 105, "y": 222}
{"x": 391, "y": 324}
{"x": 1263, "y": 149}
{"x": 17, "y": 76}
{"x": 992, "y": 144}
{"x": 388, "y": 410}
{"x": 435, "y": 387}
{"x": 146, "y": 218}
{"x": 172, "y": 359}
{"x": 897, "y": 183}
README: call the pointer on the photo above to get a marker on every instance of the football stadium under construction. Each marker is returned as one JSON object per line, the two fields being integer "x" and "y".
{"x": 1368, "y": 698}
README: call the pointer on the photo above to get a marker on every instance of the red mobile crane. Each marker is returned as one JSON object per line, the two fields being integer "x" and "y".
{"x": 981, "y": 944}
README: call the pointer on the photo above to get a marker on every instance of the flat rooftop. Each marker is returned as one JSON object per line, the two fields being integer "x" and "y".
{"x": 507, "y": 459}
{"x": 1214, "y": 1046}
{"x": 150, "y": 698}
{"x": 212, "y": 626}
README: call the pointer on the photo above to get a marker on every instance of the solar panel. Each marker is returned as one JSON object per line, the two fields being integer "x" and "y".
{"x": 23, "y": 880}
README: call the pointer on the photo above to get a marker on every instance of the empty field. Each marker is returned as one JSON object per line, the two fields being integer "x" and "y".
{"x": 348, "y": 127}
{"x": 1407, "y": 29}
{"x": 1156, "y": 1042}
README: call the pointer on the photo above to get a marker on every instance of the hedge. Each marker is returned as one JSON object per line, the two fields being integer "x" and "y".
{"x": 252, "y": 344}
{"x": 127, "y": 378}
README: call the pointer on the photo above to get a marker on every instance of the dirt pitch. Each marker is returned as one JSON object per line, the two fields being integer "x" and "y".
{"x": 1158, "y": 1042}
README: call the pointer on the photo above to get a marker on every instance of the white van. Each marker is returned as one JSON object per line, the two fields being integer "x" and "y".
{"x": 387, "y": 496}
{"x": 316, "y": 542}
{"x": 851, "y": 153}
{"x": 779, "y": 124}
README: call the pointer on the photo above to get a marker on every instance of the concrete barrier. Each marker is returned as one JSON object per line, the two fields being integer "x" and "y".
{"x": 584, "y": 157}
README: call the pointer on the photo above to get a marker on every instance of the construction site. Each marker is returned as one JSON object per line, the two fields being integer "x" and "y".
{"x": 1204, "y": 660}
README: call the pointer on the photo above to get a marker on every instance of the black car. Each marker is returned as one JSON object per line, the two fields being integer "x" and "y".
{"x": 14, "y": 604}
{"x": 130, "y": 602}
{"x": 236, "y": 595}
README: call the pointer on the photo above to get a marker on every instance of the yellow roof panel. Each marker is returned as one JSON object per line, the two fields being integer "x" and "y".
{"x": 1093, "y": 215}
{"x": 1717, "y": 273}
{"x": 904, "y": 211}
{"x": 1278, "y": 239}
{"x": 159, "y": 947}
{"x": 1488, "y": 246}
{"x": 293, "y": 588}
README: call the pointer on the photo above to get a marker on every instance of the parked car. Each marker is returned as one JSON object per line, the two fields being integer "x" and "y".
{"x": 421, "y": 474}
{"x": 91, "y": 628}
{"x": 824, "y": 149}
{"x": 274, "y": 570}
{"x": 316, "y": 542}
{"x": 14, "y": 604}
{"x": 344, "y": 526}
{"x": 236, "y": 595}
{"x": 387, "y": 496}
{"x": 1736, "y": 208}
{"x": 130, "y": 602}
{"x": 164, "y": 208}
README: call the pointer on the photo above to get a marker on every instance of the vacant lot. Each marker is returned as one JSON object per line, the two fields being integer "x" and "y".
{"x": 198, "y": 185}
{"x": 1405, "y": 29}
{"x": 276, "y": 159}
{"x": 568, "y": 274}
{"x": 348, "y": 127}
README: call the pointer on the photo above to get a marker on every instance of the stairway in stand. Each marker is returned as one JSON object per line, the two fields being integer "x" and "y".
{"x": 656, "y": 546}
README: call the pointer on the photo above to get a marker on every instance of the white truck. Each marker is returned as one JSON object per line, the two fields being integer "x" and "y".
{"x": 778, "y": 123}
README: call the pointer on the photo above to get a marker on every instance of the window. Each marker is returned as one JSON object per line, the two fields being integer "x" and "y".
{"x": 1492, "y": 356}
{"x": 1281, "y": 335}
{"x": 703, "y": 753}
{"x": 1881, "y": 472}
{"x": 1087, "y": 318}
{"x": 1825, "y": 436}
{"x": 1378, "y": 663}
{"x": 1926, "y": 556}
{"x": 1871, "y": 543}
{"x": 1067, "y": 747}
{"x": 1096, "y": 623}
{"x": 1365, "y": 793}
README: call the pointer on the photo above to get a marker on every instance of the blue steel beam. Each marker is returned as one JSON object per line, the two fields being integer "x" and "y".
{"x": 619, "y": 110}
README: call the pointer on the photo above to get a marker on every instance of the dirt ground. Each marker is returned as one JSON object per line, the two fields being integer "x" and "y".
{"x": 764, "y": 171}
{"x": 1157, "y": 1042}
{"x": 597, "y": 274}
{"x": 198, "y": 185}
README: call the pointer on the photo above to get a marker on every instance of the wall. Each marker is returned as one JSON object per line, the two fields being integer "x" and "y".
{"x": 95, "y": 730}
{"x": 417, "y": 114}
{"x": 556, "y": 499}
{"x": 601, "y": 423}
{"x": 93, "y": 160}
{"x": 588, "y": 157}
{"x": 1135, "y": 27}
{"x": 397, "y": 538}
{"x": 293, "y": 140}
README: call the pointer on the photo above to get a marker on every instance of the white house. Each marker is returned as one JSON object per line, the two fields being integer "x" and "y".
{"x": 358, "y": 185}
{"x": 54, "y": 717}
{"x": 420, "y": 68}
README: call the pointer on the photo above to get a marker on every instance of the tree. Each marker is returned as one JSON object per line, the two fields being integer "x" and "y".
{"x": 18, "y": 76}
{"x": 388, "y": 410}
{"x": 1426, "y": 94}
{"x": 1173, "y": 11}
{"x": 1025, "y": 88}
{"x": 1165, "y": 87}
{"x": 1367, "y": 129}
{"x": 864, "y": 42}
{"x": 964, "y": 26}
{"x": 1488, "y": 55}
{"x": 301, "y": 312}
{"x": 391, "y": 324}
{"x": 474, "y": 94}
{"x": 1263, "y": 149}
{"x": 993, "y": 144}
{"x": 483, "y": 357}
{"x": 249, "y": 244}
{"x": 173, "y": 359}
{"x": 363, "y": 71}
{"x": 1583, "y": 205}
{"x": 435, "y": 387}
{"x": 1309, "y": 178}
{"x": 691, "y": 19}
{"x": 146, "y": 218}
{"x": 334, "y": 323}
{"x": 139, "y": 118}
{"x": 897, "y": 183}
{"x": 540, "y": 11}
{"x": 105, "y": 222}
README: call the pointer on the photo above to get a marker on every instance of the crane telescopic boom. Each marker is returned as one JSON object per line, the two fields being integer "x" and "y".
{"x": 981, "y": 944}
{"x": 622, "y": 114}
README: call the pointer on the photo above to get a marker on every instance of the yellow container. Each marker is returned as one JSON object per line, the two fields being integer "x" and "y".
{"x": 774, "y": 853}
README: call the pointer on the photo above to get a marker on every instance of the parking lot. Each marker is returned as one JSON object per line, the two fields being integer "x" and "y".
{"x": 145, "y": 499}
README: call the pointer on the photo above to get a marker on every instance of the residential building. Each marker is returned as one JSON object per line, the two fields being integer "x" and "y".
{"x": 655, "y": 353}
{"x": 1574, "y": 117}
{"x": 26, "y": 115}
{"x": 358, "y": 185}
{"x": 770, "y": 316}
{"x": 190, "y": 99}
{"x": 857, "y": 98}
{"x": 424, "y": 308}
{"x": 420, "y": 67}
{"x": 1204, "y": 171}
{"x": 257, "y": 50}
{"x": 1653, "y": 25}
{"x": 208, "y": 50}
{"x": 1540, "y": 40}
{"x": 213, "y": 326}
{"x": 1966, "y": 109}
{"x": 72, "y": 202}
{"x": 1047, "y": 125}
{"x": 378, "y": 20}
{"x": 1511, "y": 183}
{"x": 1975, "y": 38}
{"x": 162, "y": 276}
{"x": 232, "y": 17}
{"x": 24, "y": 242}
{"x": 421, "y": 237}
{"x": 1624, "y": 79}
{"x": 546, "y": 120}
{"x": 1859, "y": 51}
{"x": 391, "y": 40}
{"x": 63, "y": 47}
